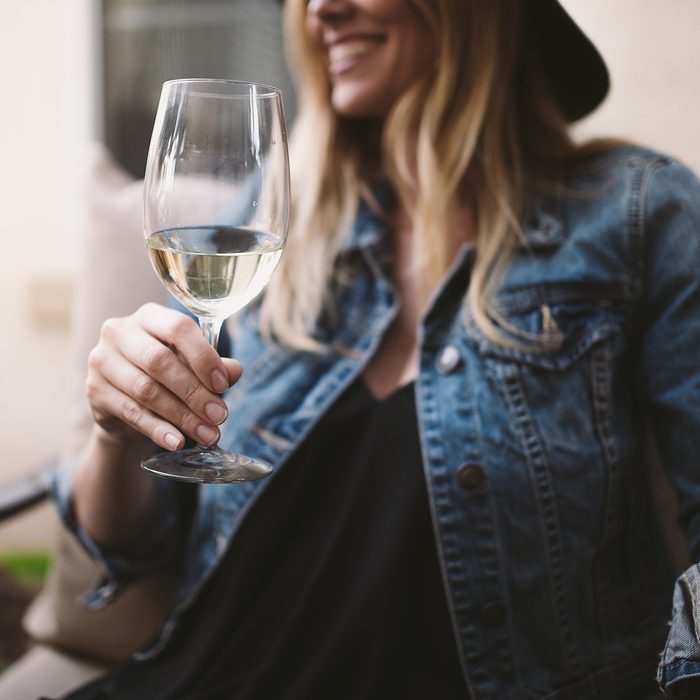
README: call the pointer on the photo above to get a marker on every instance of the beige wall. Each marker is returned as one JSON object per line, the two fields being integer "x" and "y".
{"x": 47, "y": 115}
{"x": 652, "y": 48}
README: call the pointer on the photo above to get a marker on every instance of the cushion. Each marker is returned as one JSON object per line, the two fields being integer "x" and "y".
{"x": 114, "y": 279}
{"x": 44, "y": 671}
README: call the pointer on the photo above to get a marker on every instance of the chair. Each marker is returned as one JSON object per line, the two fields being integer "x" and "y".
{"x": 72, "y": 645}
{"x": 23, "y": 493}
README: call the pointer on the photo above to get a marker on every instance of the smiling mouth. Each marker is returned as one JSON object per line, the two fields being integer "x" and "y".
{"x": 344, "y": 54}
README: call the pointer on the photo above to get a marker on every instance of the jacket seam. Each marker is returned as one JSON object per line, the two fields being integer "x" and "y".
{"x": 546, "y": 501}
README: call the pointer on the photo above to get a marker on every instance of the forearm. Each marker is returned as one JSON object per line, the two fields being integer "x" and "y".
{"x": 113, "y": 498}
{"x": 152, "y": 380}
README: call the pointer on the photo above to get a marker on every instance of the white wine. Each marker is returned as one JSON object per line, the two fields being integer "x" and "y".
{"x": 214, "y": 270}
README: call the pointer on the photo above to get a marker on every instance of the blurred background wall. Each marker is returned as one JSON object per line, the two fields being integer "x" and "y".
{"x": 653, "y": 53}
{"x": 47, "y": 115}
{"x": 53, "y": 107}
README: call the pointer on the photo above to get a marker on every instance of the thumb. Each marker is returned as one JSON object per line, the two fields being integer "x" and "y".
{"x": 233, "y": 369}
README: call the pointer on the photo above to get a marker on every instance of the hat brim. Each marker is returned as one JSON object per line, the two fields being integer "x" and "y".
{"x": 573, "y": 66}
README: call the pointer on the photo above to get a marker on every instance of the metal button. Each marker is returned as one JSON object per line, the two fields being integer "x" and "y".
{"x": 221, "y": 542}
{"x": 470, "y": 476}
{"x": 493, "y": 614}
{"x": 448, "y": 359}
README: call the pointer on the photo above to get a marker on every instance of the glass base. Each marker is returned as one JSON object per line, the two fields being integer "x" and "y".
{"x": 206, "y": 465}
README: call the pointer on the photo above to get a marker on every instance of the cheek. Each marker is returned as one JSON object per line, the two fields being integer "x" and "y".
{"x": 312, "y": 30}
{"x": 413, "y": 58}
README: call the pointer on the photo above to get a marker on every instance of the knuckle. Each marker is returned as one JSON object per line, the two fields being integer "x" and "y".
{"x": 107, "y": 328}
{"x": 91, "y": 389}
{"x": 156, "y": 357}
{"x": 203, "y": 356}
{"x": 182, "y": 325}
{"x": 110, "y": 328}
{"x": 190, "y": 391}
{"x": 94, "y": 359}
{"x": 131, "y": 412}
{"x": 145, "y": 389}
{"x": 185, "y": 418}
{"x": 145, "y": 309}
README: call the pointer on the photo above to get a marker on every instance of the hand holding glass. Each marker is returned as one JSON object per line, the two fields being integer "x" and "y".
{"x": 216, "y": 213}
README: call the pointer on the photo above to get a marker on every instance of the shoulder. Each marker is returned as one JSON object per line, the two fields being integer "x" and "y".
{"x": 670, "y": 193}
{"x": 611, "y": 214}
{"x": 632, "y": 193}
{"x": 650, "y": 203}
{"x": 636, "y": 171}
{"x": 660, "y": 194}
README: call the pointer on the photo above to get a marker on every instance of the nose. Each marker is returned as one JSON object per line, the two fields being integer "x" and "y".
{"x": 326, "y": 10}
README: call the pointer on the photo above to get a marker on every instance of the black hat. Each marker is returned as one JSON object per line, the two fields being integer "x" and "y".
{"x": 573, "y": 66}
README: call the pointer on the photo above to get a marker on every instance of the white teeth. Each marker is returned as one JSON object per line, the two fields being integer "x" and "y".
{"x": 349, "y": 49}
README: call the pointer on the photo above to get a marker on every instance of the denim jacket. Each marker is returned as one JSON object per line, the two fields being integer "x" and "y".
{"x": 557, "y": 572}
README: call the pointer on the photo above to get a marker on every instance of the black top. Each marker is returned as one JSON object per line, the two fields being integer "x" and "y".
{"x": 331, "y": 588}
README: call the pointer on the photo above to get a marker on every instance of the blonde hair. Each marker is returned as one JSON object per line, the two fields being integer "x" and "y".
{"x": 472, "y": 130}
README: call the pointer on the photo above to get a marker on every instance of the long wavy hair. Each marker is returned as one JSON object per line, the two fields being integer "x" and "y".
{"x": 477, "y": 126}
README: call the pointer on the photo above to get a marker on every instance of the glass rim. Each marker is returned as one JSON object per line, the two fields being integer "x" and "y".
{"x": 270, "y": 90}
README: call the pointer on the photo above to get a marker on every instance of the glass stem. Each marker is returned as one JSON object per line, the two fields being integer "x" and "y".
{"x": 211, "y": 328}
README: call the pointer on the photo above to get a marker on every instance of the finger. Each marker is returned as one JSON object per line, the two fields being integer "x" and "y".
{"x": 233, "y": 370}
{"x": 163, "y": 367}
{"x": 149, "y": 393}
{"x": 115, "y": 404}
{"x": 180, "y": 331}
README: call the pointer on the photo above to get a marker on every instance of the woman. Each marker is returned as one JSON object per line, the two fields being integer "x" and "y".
{"x": 451, "y": 373}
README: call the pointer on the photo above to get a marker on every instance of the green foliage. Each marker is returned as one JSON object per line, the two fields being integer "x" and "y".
{"x": 26, "y": 568}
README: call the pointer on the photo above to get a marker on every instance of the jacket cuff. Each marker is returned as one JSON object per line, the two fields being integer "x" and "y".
{"x": 679, "y": 670}
{"x": 154, "y": 550}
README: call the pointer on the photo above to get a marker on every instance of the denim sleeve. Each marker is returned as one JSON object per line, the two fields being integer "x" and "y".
{"x": 670, "y": 378}
{"x": 162, "y": 545}
{"x": 679, "y": 670}
{"x": 158, "y": 549}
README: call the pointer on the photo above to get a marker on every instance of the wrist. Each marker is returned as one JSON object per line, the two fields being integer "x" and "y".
{"x": 121, "y": 444}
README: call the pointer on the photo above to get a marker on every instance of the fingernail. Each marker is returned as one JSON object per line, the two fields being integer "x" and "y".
{"x": 207, "y": 434}
{"x": 172, "y": 441}
{"x": 215, "y": 412}
{"x": 218, "y": 381}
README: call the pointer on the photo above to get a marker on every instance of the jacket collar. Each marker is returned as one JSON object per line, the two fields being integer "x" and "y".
{"x": 367, "y": 228}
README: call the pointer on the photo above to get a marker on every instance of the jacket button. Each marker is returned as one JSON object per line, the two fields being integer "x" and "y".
{"x": 493, "y": 614}
{"x": 470, "y": 476}
{"x": 447, "y": 360}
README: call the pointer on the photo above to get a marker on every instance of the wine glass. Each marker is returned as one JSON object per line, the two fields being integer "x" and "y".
{"x": 216, "y": 212}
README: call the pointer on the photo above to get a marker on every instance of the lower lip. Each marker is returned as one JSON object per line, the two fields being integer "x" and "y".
{"x": 345, "y": 65}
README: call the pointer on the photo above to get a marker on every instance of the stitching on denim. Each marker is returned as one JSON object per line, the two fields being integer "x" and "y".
{"x": 524, "y": 300}
{"x": 450, "y": 562}
{"x": 600, "y": 390}
{"x": 680, "y": 664}
{"x": 636, "y": 216}
{"x": 539, "y": 468}
{"x": 552, "y": 361}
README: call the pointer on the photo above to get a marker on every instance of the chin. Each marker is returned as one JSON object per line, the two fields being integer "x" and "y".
{"x": 358, "y": 106}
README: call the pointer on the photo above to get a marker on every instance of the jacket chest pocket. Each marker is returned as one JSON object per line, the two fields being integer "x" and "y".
{"x": 551, "y": 414}
{"x": 556, "y": 369}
